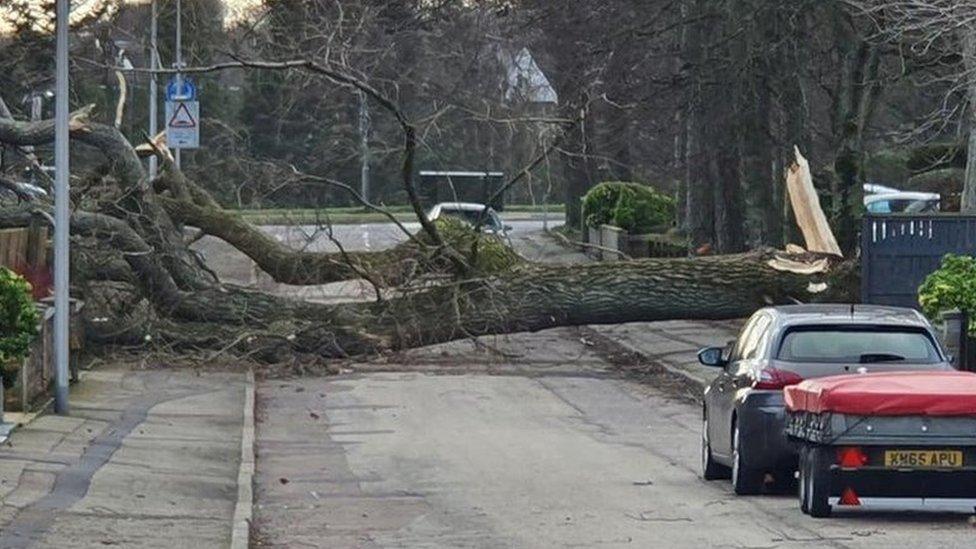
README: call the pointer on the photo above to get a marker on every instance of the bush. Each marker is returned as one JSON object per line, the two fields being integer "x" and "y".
{"x": 633, "y": 207}
{"x": 18, "y": 320}
{"x": 952, "y": 286}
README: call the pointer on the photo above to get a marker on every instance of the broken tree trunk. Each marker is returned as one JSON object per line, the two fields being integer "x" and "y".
{"x": 806, "y": 207}
{"x": 527, "y": 298}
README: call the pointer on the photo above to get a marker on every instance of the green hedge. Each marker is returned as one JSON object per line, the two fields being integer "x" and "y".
{"x": 952, "y": 286}
{"x": 18, "y": 322}
{"x": 633, "y": 207}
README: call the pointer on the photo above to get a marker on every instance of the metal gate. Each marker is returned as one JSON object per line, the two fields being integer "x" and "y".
{"x": 899, "y": 251}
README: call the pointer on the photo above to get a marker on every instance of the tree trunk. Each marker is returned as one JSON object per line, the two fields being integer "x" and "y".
{"x": 968, "y": 200}
{"x": 967, "y": 203}
{"x": 578, "y": 172}
{"x": 547, "y": 296}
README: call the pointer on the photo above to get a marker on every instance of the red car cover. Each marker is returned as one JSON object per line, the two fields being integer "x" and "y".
{"x": 887, "y": 394}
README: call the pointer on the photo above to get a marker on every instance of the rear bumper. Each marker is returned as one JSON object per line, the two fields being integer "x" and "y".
{"x": 762, "y": 421}
{"x": 905, "y": 484}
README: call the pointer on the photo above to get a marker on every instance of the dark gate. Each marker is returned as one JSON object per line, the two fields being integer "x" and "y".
{"x": 899, "y": 251}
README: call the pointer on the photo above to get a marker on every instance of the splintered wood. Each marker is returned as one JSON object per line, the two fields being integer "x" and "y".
{"x": 806, "y": 207}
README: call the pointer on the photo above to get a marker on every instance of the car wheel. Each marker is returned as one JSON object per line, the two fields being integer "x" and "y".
{"x": 803, "y": 488}
{"x": 746, "y": 480}
{"x": 711, "y": 469}
{"x": 818, "y": 485}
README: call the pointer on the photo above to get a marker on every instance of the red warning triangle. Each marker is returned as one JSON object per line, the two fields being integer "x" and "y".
{"x": 849, "y": 497}
{"x": 182, "y": 117}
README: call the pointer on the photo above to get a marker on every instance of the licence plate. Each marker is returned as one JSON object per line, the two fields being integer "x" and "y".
{"x": 923, "y": 458}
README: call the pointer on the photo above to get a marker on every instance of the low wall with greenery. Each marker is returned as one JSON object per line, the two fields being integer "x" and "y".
{"x": 633, "y": 207}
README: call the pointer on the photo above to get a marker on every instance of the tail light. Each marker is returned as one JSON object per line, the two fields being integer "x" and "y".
{"x": 773, "y": 379}
{"x": 851, "y": 457}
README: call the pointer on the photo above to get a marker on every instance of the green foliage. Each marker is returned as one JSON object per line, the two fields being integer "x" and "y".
{"x": 485, "y": 253}
{"x": 633, "y": 207}
{"x": 952, "y": 286}
{"x": 18, "y": 317}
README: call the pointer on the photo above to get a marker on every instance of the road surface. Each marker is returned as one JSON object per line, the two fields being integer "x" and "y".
{"x": 231, "y": 266}
{"x": 375, "y": 236}
{"x": 529, "y": 442}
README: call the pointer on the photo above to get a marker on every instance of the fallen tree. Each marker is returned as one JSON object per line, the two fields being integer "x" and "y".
{"x": 144, "y": 283}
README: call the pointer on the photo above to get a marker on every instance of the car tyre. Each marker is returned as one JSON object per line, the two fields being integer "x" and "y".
{"x": 746, "y": 480}
{"x": 803, "y": 487}
{"x": 819, "y": 483}
{"x": 710, "y": 469}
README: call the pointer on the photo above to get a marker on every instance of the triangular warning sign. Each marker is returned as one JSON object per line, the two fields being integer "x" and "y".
{"x": 182, "y": 117}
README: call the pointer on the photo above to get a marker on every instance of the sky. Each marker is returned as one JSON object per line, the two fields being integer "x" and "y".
{"x": 236, "y": 9}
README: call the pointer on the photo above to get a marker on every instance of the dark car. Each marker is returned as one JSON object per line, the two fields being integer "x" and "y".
{"x": 743, "y": 421}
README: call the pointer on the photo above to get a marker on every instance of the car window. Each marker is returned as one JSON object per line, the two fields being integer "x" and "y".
{"x": 752, "y": 344}
{"x": 744, "y": 336}
{"x": 494, "y": 221}
{"x": 762, "y": 339}
{"x": 920, "y": 206}
{"x": 871, "y": 344}
{"x": 467, "y": 216}
{"x": 471, "y": 217}
{"x": 880, "y": 206}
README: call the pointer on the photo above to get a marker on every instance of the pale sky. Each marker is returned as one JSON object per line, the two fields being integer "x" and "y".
{"x": 236, "y": 9}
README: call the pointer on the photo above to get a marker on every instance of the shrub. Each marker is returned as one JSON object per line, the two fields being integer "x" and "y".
{"x": 952, "y": 286}
{"x": 18, "y": 319}
{"x": 633, "y": 207}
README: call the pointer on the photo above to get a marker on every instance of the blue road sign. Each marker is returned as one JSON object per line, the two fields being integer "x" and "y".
{"x": 188, "y": 92}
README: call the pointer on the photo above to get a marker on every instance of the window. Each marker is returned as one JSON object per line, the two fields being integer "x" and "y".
{"x": 881, "y": 206}
{"x": 834, "y": 344}
{"x": 751, "y": 345}
{"x": 748, "y": 344}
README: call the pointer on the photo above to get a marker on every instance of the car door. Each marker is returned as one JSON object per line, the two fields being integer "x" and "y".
{"x": 718, "y": 399}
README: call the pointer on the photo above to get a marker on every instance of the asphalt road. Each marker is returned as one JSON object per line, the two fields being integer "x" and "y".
{"x": 234, "y": 267}
{"x": 530, "y": 444}
{"x": 374, "y": 236}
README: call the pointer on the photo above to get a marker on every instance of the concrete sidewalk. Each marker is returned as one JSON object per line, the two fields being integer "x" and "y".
{"x": 674, "y": 344}
{"x": 146, "y": 459}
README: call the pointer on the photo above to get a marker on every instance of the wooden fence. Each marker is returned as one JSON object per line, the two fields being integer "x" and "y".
{"x": 25, "y": 251}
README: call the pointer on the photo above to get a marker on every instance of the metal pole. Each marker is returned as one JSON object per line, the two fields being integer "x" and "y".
{"x": 152, "y": 88}
{"x": 61, "y": 189}
{"x": 179, "y": 62}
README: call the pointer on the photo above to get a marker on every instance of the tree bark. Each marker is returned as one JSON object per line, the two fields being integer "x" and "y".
{"x": 138, "y": 205}
{"x": 547, "y": 296}
{"x": 968, "y": 200}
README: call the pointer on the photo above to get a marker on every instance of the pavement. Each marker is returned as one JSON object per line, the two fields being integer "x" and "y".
{"x": 145, "y": 459}
{"x": 674, "y": 345}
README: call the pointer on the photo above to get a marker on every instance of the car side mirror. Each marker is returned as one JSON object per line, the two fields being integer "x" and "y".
{"x": 712, "y": 356}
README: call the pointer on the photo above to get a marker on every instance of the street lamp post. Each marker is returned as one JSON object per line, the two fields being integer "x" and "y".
{"x": 152, "y": 88}
{"x": 61, "y": 214}
{"x": 179, "y": 67}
